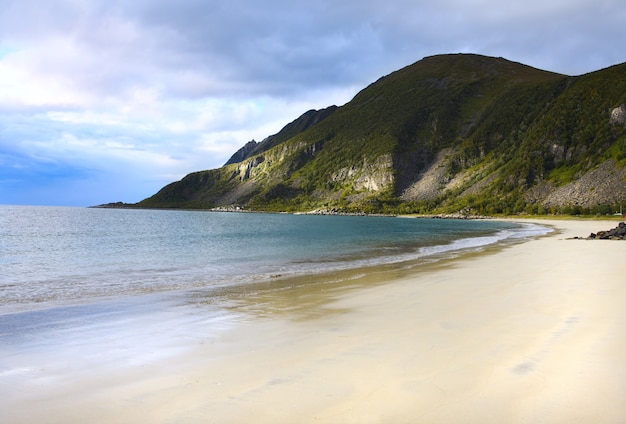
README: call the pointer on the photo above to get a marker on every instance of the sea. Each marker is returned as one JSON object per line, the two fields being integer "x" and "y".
{"x": 52, "y": 256}
{"x": 88, "y": 286}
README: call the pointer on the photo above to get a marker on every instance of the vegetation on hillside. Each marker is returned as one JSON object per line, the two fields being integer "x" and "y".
{"x": 513, "y": 136}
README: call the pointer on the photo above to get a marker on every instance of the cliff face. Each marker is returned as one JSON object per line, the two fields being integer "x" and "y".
{"x": 447, "y": 133}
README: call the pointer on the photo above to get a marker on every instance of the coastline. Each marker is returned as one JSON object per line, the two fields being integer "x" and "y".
{"x": 530, "y": 332}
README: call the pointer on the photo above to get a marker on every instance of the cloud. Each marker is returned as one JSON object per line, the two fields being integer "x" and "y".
{"x": 146, "y": 91}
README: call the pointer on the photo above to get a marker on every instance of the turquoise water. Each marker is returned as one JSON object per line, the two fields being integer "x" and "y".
{"x": 51, "y": 256}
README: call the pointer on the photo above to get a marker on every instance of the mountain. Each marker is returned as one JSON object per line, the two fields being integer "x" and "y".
{"x": 448, "y": 133}
{"x": 292, "y": 129}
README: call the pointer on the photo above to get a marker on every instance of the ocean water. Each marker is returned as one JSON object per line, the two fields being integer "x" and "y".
{"x": 86, "y": 294}
{"x": 52, "y": 256}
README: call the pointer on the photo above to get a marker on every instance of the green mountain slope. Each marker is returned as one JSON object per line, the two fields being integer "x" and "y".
{"x": 448, "y": 133}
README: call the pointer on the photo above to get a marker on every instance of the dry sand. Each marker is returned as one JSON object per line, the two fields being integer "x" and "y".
{"x": 532, "y": 333}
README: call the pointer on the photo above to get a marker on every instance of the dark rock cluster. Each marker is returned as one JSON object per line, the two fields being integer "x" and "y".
{"x": 617, "y": 233}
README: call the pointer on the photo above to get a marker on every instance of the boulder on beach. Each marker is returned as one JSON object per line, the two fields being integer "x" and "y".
{"x": 617, "y": 233}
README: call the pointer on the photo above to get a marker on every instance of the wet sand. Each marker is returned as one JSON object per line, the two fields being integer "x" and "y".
{"x": 532, "y": 333}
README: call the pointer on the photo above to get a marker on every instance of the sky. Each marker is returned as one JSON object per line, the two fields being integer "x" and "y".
{"x": 109, "y": 100}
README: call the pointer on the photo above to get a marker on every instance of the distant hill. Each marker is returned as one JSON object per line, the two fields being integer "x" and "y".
{"x": 449, "y": 133}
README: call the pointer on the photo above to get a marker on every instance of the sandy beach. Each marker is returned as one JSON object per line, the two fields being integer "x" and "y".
{"x": 530, "y": 333}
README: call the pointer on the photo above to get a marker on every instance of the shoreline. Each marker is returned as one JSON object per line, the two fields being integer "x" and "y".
{"x": 417, "y": 254}
{"x": 527, "y": 332}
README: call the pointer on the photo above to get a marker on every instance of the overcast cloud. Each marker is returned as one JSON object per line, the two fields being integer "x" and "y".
{"x": 105, "y": 100}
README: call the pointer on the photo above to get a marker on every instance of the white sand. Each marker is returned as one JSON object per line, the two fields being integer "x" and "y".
{"x": 534, "y": 333}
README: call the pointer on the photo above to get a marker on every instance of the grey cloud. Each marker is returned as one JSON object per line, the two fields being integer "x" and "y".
{"x": 248, "y": 47}
{"x": 213, "y": 48}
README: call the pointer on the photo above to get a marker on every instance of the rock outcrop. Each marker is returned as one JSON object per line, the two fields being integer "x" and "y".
{"x": 617, "y": 233}
{"x": 618, "y": 115}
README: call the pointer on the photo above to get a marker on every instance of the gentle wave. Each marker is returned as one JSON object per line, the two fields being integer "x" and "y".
{"x": 525, "y": 231}
{"x": 424, "y": 254}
